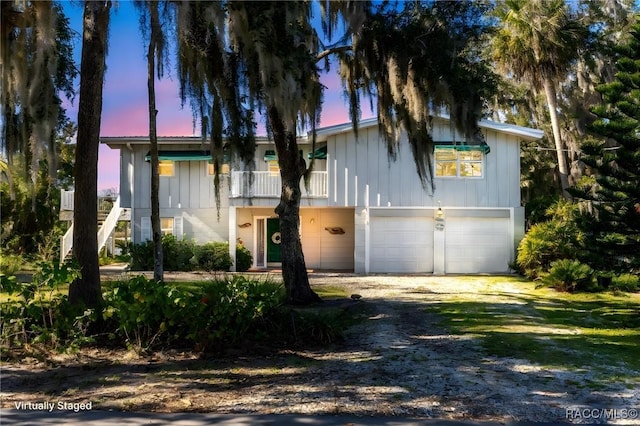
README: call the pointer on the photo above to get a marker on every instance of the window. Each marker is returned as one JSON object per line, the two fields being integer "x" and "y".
{"x": 460, "y": 162}
{"x": 274, "y": 168}
{"x": 165, "y": 168}
{"x": 223, "y": 170}
{"x": 166, "y": 225}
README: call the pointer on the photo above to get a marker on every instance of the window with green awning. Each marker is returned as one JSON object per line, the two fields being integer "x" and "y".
{"x": 459, "y": 160}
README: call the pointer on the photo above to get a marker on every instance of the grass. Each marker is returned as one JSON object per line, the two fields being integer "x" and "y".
{"x": 580, "y": 331}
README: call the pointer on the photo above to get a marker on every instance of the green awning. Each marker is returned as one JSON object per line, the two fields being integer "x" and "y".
{"x": 181, "y": 156}
{"x": 320, "y": 153}
{"x": 463, "y": 146}
{"x": 270, "y": 155}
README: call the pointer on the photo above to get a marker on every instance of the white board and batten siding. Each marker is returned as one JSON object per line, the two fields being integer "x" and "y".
{"x": 360, "y": 168}
{"x": 188, "y": 197}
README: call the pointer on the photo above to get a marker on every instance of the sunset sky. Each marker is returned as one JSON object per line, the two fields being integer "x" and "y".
{"x": 125, "y": 106}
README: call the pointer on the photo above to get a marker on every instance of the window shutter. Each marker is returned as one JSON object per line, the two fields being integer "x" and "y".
{"x": 145, "y": 228}
{"x": 177, "y": 227}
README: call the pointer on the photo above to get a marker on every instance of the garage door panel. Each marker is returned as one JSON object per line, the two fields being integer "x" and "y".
{"x": 476, "y": 245}
{"x": 401, "y": 244}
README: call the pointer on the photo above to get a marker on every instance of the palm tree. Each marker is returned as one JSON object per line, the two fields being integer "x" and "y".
{"x": 86, "y": 289}
{"x": 537, "y": 42}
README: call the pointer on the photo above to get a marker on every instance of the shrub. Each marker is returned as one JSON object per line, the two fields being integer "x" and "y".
{"x": 236, "y": 307}
{"x": 219, "y": 313}
{"x": 142, "y": 256}
{"x": 569, "y": 275}
{"x": 182, "y": 255}
{"x": 244, "y": 260}
{"x": 212, "y": 257}
{"x": 176, "y": 254}
{"x": 144, "y": 311}
{"x": 625, "y": 282}
{"x": 39, "y": 312}
{"x": 558, "y": 238}
{"x": 10, "y": 264}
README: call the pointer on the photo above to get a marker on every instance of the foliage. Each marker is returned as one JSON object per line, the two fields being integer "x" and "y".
{"x": 216, "y": 314}
{"x": 625, "y": 282}
{"x": 29, "y": 207}
{"x": 244, "y": 260}
{"x": 234, "y": 307}
{"x": 185, "y": 255}
{"x": 560, "y": 237}
{"x": 612, "y": 191}
{"x": 393, "y": 62}
{"x": 38, "y": 312}
{"x": 526, "y": 48}
{"x": 37, "y": 57}
{"x": 177, "y": 254}
{"x": 212, "y": 256}
{"x": 569, "y": 275}
{"x": 10, "y": 264}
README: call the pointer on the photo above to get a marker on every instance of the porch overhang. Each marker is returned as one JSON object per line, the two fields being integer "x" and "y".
{"x": 181, "y": 156}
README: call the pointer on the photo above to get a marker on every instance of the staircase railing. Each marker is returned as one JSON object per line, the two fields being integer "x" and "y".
{"x": 66, "y": 243}
{"x": 109, "y": 224}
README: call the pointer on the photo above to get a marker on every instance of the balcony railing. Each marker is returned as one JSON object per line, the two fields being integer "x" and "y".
{"x": 269, "y": 184}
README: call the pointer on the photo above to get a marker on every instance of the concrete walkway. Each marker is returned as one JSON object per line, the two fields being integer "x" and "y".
{"x": 104, "y": 418}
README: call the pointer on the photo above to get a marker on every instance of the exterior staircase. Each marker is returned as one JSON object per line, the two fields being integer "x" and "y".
{"x": 107, "y": 221}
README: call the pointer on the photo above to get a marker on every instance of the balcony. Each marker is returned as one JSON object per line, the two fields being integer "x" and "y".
{"x": 269, "y": 185}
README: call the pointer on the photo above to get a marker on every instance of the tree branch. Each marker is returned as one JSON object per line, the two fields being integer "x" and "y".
{"x": 330, "y": 51}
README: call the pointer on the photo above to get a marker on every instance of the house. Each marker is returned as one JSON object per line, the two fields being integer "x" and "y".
{"x": 360, "y": 212}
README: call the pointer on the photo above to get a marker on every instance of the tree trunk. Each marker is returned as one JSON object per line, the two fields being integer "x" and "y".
{"x": 292, "y": 168}
{"x": 563, "y": 170}
{"x": 158, "y": 271}
{"x": 86, "y": 290}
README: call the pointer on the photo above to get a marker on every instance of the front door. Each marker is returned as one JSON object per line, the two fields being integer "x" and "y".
{"x": 273, "y": 240}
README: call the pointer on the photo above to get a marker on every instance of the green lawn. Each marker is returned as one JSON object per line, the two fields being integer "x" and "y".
{"x": 598, "y": 332}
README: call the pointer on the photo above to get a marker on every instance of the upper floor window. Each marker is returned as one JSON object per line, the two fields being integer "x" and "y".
{"x": 165, "y": 168}
{"x": 459, "y": 161}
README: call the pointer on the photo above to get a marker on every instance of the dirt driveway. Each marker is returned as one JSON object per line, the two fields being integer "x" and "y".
{"x": 399, "y": 361}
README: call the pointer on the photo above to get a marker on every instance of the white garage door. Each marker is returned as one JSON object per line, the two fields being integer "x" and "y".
{"x": 477, "y": 244}
{"x": 401, "y": 244}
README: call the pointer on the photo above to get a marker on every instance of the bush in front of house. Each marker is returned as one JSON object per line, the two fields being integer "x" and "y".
{"x": 226, "y": 312}
{"x": 569, "y": 275}
{"x": 560, "y": 237}
{"x": 212, "y": 256}
{"x": 182, "y": 255}
{"x": 244, "y": 260}
{"x": 185, "y": 255}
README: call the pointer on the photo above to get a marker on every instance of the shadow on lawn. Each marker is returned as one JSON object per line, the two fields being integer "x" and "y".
{"x": 556, "y": 332}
